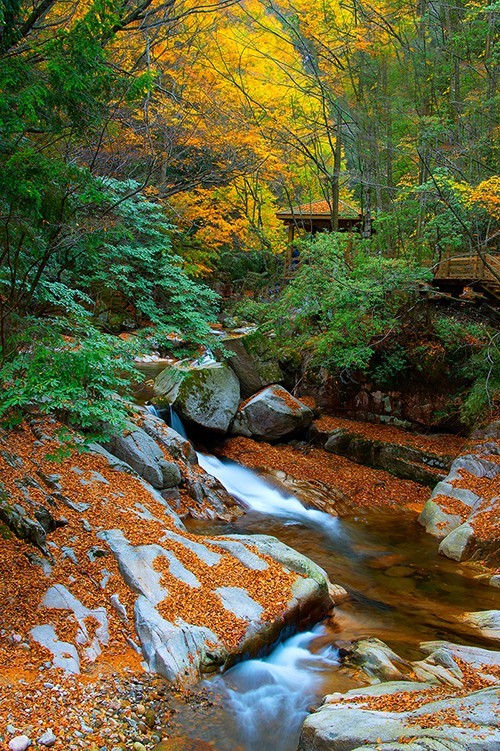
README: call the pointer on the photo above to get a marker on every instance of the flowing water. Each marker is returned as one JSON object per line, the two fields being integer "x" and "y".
{"x": 401, "y": 591}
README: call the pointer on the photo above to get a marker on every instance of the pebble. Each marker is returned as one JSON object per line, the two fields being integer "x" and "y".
{"x": 47, "y": 739}
{"x": 19, "y": 743}
{"x": 11, "y": 729}
{"x": 139, "y": 746}
{"x": 150, "y": 718}
{"x": 140, "y": 709}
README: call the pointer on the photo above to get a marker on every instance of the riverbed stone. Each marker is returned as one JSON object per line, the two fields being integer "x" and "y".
{"x": 206, "y": 396}
{"x": 470, "y": 723}
{"x": 377, "y": 661}
{"x": 457, "y": 543}
{"x": 182, "y": 650}
{"x": 19, "y": 743}
{"x": 438, "y": 522}
{"x": 47, "y": 739}
{"x": 176, "y": 445}
{"x": 403, "y": 461}
{"x": 486, "y": 621}
{"x": 271, "y": 414}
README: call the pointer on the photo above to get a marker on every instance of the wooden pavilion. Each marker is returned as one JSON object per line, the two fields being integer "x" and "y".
{"x": 313, "y": 217}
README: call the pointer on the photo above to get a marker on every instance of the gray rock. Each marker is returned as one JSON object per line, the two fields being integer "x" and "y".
{"x": 253, "y": 362}
{"x": 140, "y": 451}
{"x": 47, "y": 739}
{"x": 476, "y": 466}
{"x": 486, "y": 621}
{"x": 495, "y": 581}
{"x": 403, "y": 461}
{"x": 176, "y": 445}
{"x": 352, "y": 726}
{"x": 271, "y": 414}
{"x": 19, "y": 743}
{"x": 377, "y": 660}
{"x": 206, "y": 396}
{"x": 438, "y": 522}
{"x": 457, "y": 543}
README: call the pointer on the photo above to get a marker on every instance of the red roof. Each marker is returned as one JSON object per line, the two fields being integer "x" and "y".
{"x": 320, "y": 209}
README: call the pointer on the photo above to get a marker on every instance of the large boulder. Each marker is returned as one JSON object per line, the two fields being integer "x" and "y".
{"x": 363, "y": 719}
{"x": 206, "y": 396}
{"x": 190, "y": 603}
{"x": 441, "y": 707}
{"x": 271, "y": 414}
{"x": 485, "y": 621}
{"x": 253, "y": 361}
{"x": 223, "y": 616}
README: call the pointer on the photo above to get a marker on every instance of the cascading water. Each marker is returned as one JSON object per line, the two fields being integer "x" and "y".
{"x": 270, "y": 698}
{"x": 262, "y": 497}
{"x": 176, "y": 423}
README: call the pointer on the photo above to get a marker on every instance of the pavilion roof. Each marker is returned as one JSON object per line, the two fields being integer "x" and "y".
{"x": 319, "y": 209}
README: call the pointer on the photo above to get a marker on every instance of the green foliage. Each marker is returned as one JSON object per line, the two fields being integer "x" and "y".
{"x": 483, "y": 368}
{"x": 79, "y": 254}
{"x": 391, "y": 366}
{"x": 473, "y": 351}
{"x": 76, "y": 377}
{"x": 340, "y": 310}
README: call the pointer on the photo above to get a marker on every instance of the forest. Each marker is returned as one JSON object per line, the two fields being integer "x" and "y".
{"x": 147, "y": 147}
{"x": 249, "y": 375}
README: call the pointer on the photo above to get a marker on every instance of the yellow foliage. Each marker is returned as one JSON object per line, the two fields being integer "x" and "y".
{"x": 487, "y": 195}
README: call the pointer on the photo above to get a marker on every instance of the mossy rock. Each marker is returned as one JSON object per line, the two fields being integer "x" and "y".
{"x": 206, "y": 397}
{"x": 254, "y": 361}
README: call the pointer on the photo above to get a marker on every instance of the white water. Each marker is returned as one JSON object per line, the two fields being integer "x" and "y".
{"x": 259, "y": 495}
{"x": 270, "y": 698}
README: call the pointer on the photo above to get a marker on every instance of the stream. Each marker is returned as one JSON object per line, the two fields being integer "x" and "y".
{"x": 402, "y": 592}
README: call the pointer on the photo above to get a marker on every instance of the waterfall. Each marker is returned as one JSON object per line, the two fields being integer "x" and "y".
{"x": 258, "y": 495}
{"x": 176, "y": 423}
{"x": 270, "y": 698}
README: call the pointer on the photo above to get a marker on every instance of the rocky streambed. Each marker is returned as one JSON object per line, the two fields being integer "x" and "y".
{"x": 140, "y": 555}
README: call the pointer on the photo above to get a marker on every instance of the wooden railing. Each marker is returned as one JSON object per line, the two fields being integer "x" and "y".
{"x": 472, "y": 268}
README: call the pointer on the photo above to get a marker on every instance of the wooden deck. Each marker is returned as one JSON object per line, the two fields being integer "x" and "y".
{"x": 471, "y": 269}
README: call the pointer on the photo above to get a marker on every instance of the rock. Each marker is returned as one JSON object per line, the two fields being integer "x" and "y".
{"x": 47, "y": 739}
{"x": 205, "y": 396}
{"x": 176, "y": 445}
{"x": 486, "y": 621}
{"x": 139, "y": 746}
{"x": 150, "y": 718}
{"x": 438, "y": 522}
{"x": 271, "y": 414}
{"x": 338, "y": 594}
{"x": 142, "y": 453}
{"x": 402, "y": 461}
{"x": 495, "y": 581}
{"x": 377, "y": 660}
{"x": 457, "y": 543}
{"x": 470, "y": 723}
{"x": 457, "y": 530}
{"x": 180, "y": 651}
{"x": 253, "y": 362}
{"x": 399, "y": 572}
{"x": 19, "y": 743}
